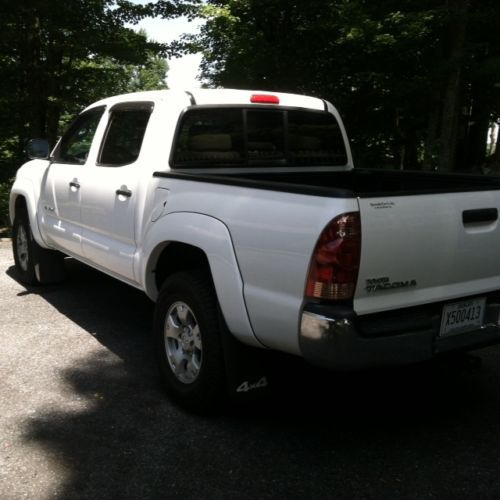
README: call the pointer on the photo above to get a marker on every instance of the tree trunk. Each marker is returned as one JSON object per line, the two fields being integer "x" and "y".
{"x": 55, "y": 84}
{"x": 451, "y": 101}
{"x": 495, "y": 157}
{"x": 31, "y": 89}
{"x": 410, "y": 156}
{"x": 432, "y": 137}
{"x": 478, "y": 131}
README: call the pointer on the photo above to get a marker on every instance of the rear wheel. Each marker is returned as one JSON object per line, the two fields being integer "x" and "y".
{"x": 188, "y": 342}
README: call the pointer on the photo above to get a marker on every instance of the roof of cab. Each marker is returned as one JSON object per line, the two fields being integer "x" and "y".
{"x": 215, "y": 96}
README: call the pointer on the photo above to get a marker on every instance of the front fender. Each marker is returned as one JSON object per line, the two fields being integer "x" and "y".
{"x": 212, "y": 237}
{"x": 24, "y": 187}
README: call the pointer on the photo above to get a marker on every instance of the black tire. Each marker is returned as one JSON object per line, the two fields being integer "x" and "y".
{"x": 34, "y": 264}
{"x": 23, "y": 248}
{"x": 205, "y": 393}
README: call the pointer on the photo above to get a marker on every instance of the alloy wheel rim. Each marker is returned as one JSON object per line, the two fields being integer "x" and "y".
{"x": 22, "y": 248}
{"x": 183, "y": 344}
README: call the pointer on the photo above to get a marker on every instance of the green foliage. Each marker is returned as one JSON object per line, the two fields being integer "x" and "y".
{"x": 102, "y": 77}
{"x": 4, "y": 205}
{"x": 400, "y": 72}
{"x": 148, "y": 76}
{"x": 58, "y": 56}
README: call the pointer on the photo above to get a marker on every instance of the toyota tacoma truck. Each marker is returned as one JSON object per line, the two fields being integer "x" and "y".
{"x": 241, "y": 215}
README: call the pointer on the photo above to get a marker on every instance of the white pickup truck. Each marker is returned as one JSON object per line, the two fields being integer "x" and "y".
{"x": 241, "y": 215}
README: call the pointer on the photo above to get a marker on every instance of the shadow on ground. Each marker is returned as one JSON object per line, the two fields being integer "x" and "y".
{"x": 426, "y": 431}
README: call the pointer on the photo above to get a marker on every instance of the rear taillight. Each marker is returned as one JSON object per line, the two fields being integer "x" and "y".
{"x": 334, "y": 266}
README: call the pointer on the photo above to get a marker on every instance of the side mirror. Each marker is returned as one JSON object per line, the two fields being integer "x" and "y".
{"x": 38, "y": 149}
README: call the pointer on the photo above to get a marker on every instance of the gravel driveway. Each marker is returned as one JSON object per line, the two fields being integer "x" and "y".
{"x": 83, "y": 415}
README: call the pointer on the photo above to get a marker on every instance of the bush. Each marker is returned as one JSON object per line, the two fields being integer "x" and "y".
{"x": 4, "y": 206}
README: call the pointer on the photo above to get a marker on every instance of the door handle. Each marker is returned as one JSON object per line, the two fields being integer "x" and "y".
{"x": 74, "y": 184}
{"x": 479, "y": 215}
{"x": 124, "y": 192}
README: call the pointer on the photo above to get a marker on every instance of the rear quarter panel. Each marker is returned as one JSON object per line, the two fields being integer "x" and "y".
{"x": 273, "y": 234}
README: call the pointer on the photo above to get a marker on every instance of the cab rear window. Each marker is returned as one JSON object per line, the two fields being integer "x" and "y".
{"x": 230, "y": 137}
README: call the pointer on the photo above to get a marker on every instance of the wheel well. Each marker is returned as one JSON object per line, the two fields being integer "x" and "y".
{"x": 177, "y": 257}
{"x": 20, "y": 204}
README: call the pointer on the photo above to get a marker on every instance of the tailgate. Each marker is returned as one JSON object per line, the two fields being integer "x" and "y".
{"x": 427, "y": 248}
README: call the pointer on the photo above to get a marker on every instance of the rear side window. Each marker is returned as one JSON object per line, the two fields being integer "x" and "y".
{"x": 123, "y": 137}
{"x": 217, "y": 137}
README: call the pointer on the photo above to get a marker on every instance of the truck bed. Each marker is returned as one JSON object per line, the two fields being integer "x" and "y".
{"x": 362, "y": 183}
{"x": 433, "y": 237}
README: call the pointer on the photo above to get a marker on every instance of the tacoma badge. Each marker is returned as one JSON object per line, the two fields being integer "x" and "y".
{"x": 384, "y": 283}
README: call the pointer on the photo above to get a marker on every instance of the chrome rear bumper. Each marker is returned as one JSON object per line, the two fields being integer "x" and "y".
{"x": 335, "y": 337}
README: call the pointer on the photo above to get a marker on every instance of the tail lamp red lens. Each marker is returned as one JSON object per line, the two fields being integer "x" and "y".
{"x": 264, "y": 99}
{"x": 334, "y": 266}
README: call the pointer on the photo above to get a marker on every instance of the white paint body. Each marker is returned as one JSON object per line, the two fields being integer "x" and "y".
{"x": 258, "y": 242}
{"x": 423, "y": 238}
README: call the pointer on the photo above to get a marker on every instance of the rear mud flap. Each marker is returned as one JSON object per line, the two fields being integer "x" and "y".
{"x": 248, "y": 369}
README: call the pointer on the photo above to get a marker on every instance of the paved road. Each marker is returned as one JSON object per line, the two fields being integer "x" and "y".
{"x": 83, "y": 416}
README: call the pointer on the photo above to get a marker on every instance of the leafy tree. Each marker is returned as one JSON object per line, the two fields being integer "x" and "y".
{"x": 60, "y": 55}
{"x": 148, "y": 76}
{"x": 416, "y": 81}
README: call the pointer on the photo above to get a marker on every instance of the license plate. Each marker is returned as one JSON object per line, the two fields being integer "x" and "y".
{"x": 462, "y": 316}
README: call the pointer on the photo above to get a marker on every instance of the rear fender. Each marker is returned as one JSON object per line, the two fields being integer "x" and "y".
{"x": 212, "y": 237}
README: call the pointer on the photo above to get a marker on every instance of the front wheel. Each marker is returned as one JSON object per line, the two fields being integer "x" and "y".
{"x": 23, "y": 248}
{"x": 34, "y": 264}
{"x": 188, "y": 342}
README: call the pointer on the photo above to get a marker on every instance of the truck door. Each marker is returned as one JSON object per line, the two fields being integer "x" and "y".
{"x": 59, "y": 211}
{"x": 109, "y": 199}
